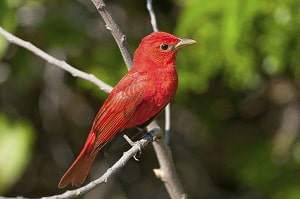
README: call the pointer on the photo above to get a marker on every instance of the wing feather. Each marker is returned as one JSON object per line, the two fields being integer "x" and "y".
{"x": 118, "y": 109}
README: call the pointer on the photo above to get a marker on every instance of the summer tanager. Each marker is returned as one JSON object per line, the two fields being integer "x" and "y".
{"x": 138, "y": 97}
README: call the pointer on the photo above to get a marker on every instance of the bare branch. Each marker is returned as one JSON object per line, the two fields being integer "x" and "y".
{"x": 152, "y": 15}
{"x": 52, "y": 60}
{"x": 167, "y": 123}
{"x": 166, "y": 173}
{"x": 116, "y": 32}
{"x": 136, "y": 147}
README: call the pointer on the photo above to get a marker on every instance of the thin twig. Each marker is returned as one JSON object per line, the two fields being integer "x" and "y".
{"x": 152, "y": 15}
{"x": 52, "y": 60}
{"x": 116, "y": 32}
{"x": 167, "y": 123}
{"x": 137, "y": 146}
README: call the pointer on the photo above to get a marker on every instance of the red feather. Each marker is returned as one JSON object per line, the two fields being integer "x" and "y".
{"x": 140, "y": 95}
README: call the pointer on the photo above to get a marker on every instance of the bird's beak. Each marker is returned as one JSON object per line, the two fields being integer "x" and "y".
{"x": 183, "y": 43}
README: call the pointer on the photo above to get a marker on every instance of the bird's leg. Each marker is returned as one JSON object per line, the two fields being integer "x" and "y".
{"x": 148, "y": 135}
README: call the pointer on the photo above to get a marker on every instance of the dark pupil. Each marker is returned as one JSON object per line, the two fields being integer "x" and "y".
{"x": 164, "y": 46}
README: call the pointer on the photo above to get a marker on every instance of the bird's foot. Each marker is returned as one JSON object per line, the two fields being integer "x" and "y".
{"x": 149, "y": 135}
{"x": 132, "y": 143}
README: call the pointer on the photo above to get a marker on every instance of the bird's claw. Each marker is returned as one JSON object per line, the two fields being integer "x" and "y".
{"x": 138, "y": 155}
{"x": 148, "y": 136}
{"x": 131, "y": 143}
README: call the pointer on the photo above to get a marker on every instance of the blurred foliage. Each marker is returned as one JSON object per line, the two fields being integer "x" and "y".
{"x": 243, "y": 42}
{"x": 235, "y": 118}
{"x": 249, "y": 48}
{"x": 16, "y": 140}
{"x": 7, "y": 19}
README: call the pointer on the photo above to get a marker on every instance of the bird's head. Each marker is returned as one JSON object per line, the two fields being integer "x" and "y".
{"x": 159, "y": 48}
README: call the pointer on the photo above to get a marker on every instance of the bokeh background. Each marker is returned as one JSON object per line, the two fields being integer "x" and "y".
{"x": 235, "y": 118}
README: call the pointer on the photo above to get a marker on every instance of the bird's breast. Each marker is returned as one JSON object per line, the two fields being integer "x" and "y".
{"x": 164, "y": 89}
{"x": 159, "y": 93}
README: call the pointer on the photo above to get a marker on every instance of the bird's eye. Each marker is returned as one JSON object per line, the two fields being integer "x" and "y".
{"x": 164, "y": 46}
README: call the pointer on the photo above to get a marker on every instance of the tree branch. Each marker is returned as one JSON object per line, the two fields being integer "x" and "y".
{"x": 166, "y": 173}
{"x": 116, "y": 32}
{"x": 167, "y": 123}
{"x": 152, "y": 15}
{"x": 136, "y": 147}
{"x": 52, "y": 60}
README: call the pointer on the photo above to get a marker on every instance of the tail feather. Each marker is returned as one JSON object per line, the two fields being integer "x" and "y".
{"x": 78, "y": 171}
{"x": 80, "y": 168}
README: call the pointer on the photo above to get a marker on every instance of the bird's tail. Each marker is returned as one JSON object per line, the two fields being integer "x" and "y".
{"x": 80, "y": 168}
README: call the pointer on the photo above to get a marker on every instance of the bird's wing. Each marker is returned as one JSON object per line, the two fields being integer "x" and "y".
{"x": 118, "y": 108}
{"x": 112, "y": 117}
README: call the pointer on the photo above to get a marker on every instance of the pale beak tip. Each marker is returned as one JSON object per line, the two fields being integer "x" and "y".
{"x": 184, "y": 42}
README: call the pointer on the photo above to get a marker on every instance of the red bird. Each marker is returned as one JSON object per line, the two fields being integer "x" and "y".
{"x": 138, "y": 97}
